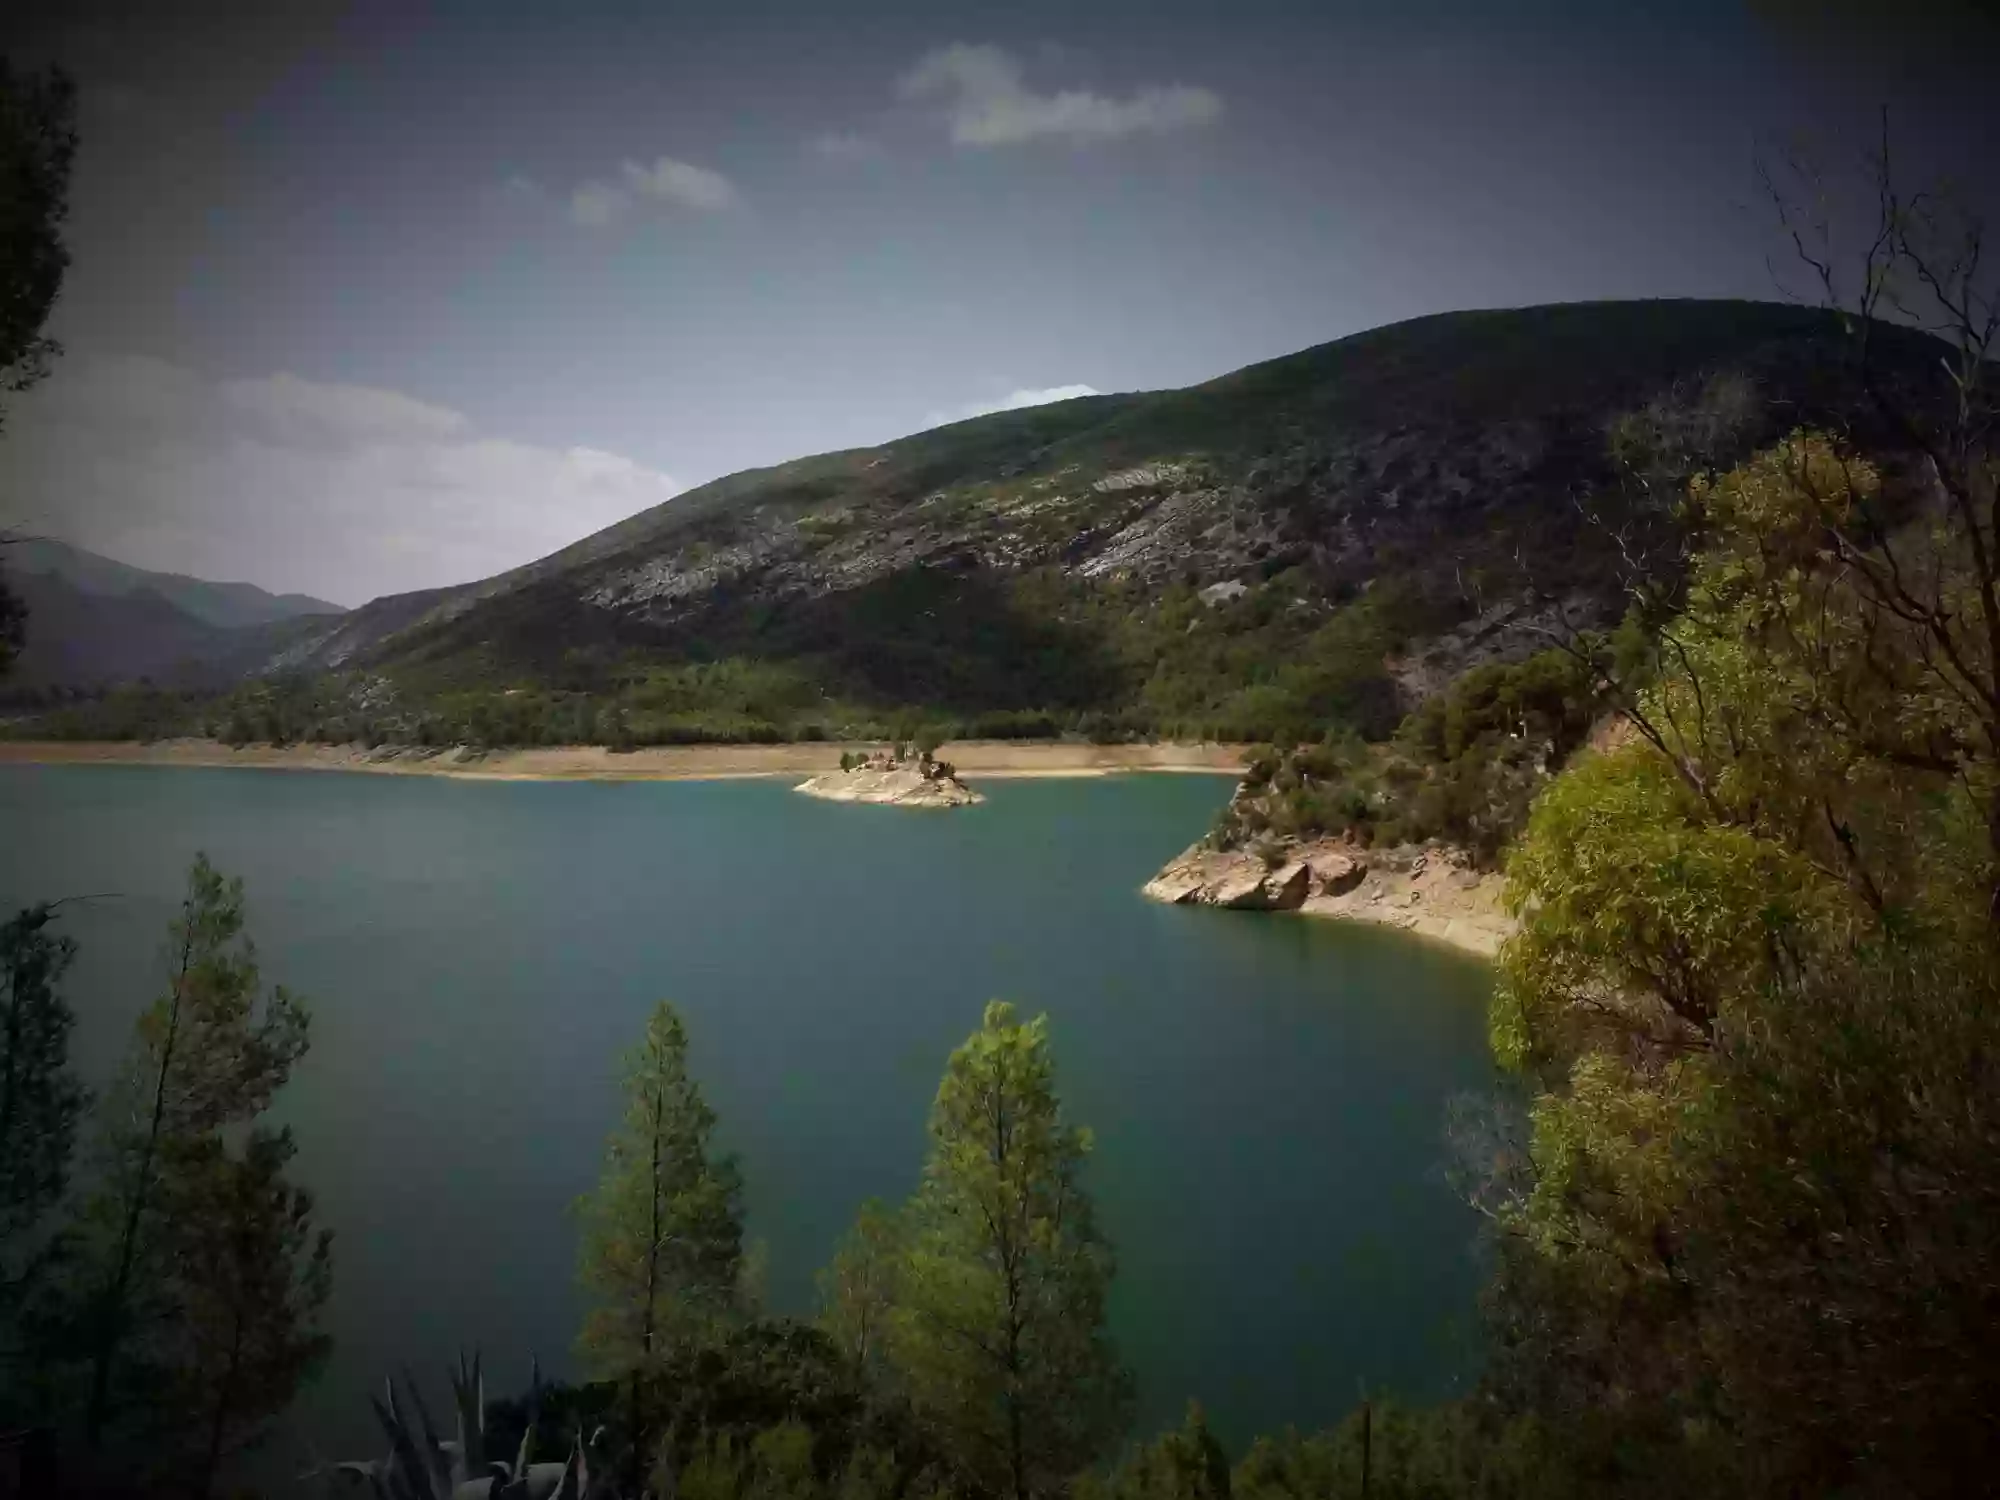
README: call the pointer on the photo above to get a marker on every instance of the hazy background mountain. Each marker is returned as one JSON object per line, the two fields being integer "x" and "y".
{"x": 224, "y": 605}
{"x": 96, "y": 621}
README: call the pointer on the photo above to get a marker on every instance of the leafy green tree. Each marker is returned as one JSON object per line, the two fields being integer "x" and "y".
{"x": 207, "y": 1055}
{"x": 859, "y": 1291}
{"x": 40, "y": 1098}
{"x": 663, "y": 1232}
{"x": 999, "y": 1334}
{"x": 784, "y": 1462}
{"x": 617, "y": 729}
{"x": 1757, "y": 988}
{"x": 250, "y": 1276}
{"x": 1186, "y": 1465}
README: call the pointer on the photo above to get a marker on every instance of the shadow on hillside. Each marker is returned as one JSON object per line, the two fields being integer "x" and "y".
{"x": 922, "y": 635}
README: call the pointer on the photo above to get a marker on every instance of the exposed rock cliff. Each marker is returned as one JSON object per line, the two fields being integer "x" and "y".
{"x": 1432, "y": 891}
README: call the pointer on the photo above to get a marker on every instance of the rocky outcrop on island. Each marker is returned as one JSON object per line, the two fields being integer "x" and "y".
{"x": 1431, "y": 890}
{"x": 893, "y": 781}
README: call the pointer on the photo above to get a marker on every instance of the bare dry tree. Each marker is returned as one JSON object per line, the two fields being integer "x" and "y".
{"x": 1916, "y": 261}
{"x": 1918, "y": 306}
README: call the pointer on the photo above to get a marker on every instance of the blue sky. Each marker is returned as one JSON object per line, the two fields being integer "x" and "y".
{"x": 370, "y": 297}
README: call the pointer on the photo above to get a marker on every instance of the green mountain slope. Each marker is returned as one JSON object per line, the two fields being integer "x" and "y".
{"x": 1318, "y": 540}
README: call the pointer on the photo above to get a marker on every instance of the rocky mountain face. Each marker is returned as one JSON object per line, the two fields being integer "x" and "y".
{"x": 1322, "y": 539}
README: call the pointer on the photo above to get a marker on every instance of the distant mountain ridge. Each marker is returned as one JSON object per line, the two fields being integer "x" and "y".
{"x": 94, "y": 622}
{"x": 224, "y": 605}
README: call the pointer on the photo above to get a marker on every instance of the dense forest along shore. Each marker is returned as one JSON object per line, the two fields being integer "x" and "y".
{"x": 990, "y": 758}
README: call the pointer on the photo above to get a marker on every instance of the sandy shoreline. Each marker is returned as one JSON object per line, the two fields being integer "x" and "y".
{"x": 988, "y": 758}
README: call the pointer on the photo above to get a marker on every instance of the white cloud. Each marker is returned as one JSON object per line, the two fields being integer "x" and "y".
{"x": 598, "y": 204}
{"x": 988, "y": 103}
{"x": 1015, "y": 401}
{"x": 337, "y": 490}
{"x": 289, "y": 412}
{"x": 681, "y": 183}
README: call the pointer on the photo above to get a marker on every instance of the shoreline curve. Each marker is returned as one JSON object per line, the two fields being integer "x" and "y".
{"x": 995, "y": 759}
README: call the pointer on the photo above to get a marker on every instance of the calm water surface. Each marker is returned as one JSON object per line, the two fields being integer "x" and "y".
{"x": 1266, "y": 1093}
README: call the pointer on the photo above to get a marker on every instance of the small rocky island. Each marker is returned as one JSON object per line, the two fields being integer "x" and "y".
{"x": 896, "y": 777}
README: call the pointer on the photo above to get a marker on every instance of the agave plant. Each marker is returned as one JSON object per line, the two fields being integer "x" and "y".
{"x": 422, "y": 1466}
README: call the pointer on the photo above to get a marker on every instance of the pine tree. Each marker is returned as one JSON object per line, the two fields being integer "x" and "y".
{"x": 663, "y": 1232}
{"x": 40, "y": 1099}
{"x": 1188, "y": 1464}
{"x": 999, "y": 1336}
{"x": 858, "y": 1292}
{"x": 207, "y": 1054}
{"x": 249, "y": 1276}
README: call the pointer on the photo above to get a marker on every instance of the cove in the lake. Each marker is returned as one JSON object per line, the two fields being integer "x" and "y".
{"x": 1267, "y": 1093}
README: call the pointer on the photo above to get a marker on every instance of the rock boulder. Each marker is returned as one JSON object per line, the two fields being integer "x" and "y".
{"x": 1232, "y": 878}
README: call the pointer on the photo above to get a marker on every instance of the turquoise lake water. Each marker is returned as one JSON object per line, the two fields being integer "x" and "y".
{"x": 1267, "y": 1093}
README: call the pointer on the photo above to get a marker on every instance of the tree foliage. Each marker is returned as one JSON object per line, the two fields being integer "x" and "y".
{"x": 250, "y": 1275}
{"x": 1757, "y": 985}
{"x": 208, "y": 1055}
{"x": 41, "y": 1102}
{"x": 37, "y": 147}
{"x": 859, "y": 1292}
{"x": 999, "y": 1336}
{"x": 662, "y": 1253}
{"x": 1462, "y": 767}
